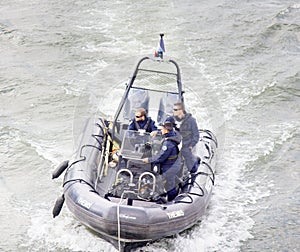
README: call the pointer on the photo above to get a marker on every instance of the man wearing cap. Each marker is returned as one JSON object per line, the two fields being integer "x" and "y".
{"x": 142, "y": 122}
{"x": 188, "y": 129}
{"x": 168, "y": 158}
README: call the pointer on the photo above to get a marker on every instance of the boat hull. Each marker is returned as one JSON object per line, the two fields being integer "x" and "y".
{"x": 112, "y": 191}
{"x": 121, "y": 221}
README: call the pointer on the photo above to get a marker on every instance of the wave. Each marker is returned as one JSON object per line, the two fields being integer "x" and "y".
{"x": 7, "y": 89}
{"x": 276, "y": 35}
{"x": 21, "y": 140}
{"x": 282, "y": 33}
{"x": 63, "y": 233}
{"x": 289, "y": 11}
{"x": 282, "y": 133}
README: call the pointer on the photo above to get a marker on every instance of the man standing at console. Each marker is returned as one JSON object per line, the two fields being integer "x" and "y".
{"x": 190, "y": 135}
{"x": 168, "y": 158}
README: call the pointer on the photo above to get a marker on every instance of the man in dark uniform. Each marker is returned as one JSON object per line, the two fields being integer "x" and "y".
{"x": 142, "y": 122}
{"x": 168, "y": 159}
{"x": 188, "y": 129}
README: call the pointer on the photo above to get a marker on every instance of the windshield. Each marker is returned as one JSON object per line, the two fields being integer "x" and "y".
{"x": 158, "y": 104}
{"x": 137, "y": 145}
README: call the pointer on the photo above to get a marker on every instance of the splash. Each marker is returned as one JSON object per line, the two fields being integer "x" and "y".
{"x": 61, "y": 234}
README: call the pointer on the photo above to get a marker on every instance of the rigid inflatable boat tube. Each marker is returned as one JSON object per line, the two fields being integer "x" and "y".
{"x": 60, "y": 169}
{"x": 58, "y": 205}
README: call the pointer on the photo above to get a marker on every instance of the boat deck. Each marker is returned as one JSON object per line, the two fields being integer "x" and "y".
{"x": 106, "y": 182}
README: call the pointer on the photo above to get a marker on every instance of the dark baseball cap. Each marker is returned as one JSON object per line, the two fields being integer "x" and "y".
{"x": 168, "y": 125}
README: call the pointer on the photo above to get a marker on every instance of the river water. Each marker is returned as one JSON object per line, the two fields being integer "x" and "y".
{"x": 61, "y": 60}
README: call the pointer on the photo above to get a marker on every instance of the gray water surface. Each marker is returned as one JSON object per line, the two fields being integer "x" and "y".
{"x": 61, "y": 60}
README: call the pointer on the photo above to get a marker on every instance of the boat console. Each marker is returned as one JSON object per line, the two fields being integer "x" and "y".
{"x": 134, "y": 178}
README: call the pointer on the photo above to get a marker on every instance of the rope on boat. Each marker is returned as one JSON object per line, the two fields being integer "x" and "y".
{"x": 119, "y": 223}
{"x": 102, "y": 141}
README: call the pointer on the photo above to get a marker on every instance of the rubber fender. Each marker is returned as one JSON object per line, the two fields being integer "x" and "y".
{"x": 60, "y": 169}
{"x": 58, "y": 205}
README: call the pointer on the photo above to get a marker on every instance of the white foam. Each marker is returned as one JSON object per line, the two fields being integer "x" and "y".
{"x": 63, "y": 232}
{"x": 281, "y": 132}
{"x": 51, "y": 150}
{"x": 72, "y": 89}
{"x": 48, "y": 149}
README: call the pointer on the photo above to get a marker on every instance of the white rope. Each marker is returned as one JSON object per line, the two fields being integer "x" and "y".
{"x": 119, "y": 224}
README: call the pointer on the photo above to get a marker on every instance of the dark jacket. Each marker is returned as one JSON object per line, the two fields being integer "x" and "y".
{"x": 169, "y": 151}
{"x": 148, "y": 124}
{"x": 188, "y": 130}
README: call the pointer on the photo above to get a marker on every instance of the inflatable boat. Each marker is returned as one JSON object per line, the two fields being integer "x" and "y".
{"x": 107, "y": 186}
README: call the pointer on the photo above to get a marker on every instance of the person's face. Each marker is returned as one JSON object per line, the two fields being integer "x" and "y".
{"x": 163, "y": 130}
{"x": 139, "y": 117}
{"x": 177, "y": 111}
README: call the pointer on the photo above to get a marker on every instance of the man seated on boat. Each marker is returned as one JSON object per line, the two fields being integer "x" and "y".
{"x": 190, "y": 135}
{"x": 142, "y": 122}
{"x": 168, "y": 159}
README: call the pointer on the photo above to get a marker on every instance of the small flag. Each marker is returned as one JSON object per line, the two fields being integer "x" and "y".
{"x": 161, "y": 43}
{"x": 160, "y": 48}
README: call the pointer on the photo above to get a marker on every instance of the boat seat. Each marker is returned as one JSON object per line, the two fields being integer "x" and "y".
{"x": 161, "y": 115}
{"x": 137, "y": 98}
{"x": 166, "y": 106}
